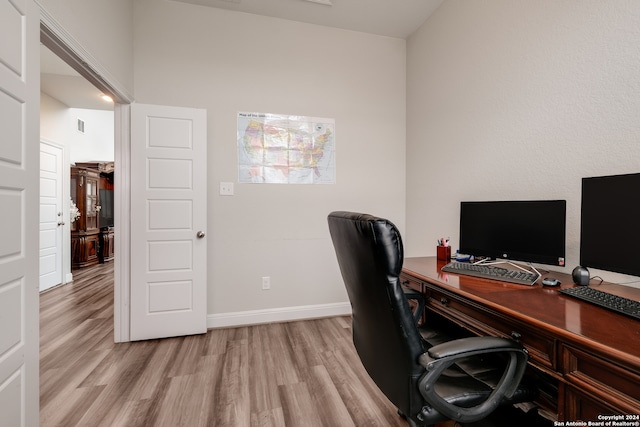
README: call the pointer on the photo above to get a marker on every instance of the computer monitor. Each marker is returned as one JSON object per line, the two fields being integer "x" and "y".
{"x": 610, "y": 223}
{"x": 106, "y": 211}
{"x": 524, "y": 230}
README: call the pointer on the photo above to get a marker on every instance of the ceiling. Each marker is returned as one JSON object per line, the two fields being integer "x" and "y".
{"x": 391, "y": 18}
{"x": 61, "y": 82}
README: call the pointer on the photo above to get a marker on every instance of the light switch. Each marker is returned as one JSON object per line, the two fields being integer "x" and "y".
{"x": 226, "y": 188}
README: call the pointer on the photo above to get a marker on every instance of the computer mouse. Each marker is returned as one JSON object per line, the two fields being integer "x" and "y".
{"x": 549, "y": 281}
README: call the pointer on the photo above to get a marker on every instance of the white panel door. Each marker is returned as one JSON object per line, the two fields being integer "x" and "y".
{"x": 51, "y": 216}
{"x": 168, "y": 221}
{"x": 19, "y": 171}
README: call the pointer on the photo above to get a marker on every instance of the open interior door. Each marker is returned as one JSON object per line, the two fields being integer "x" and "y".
{"x": 19, "y": 178}
{"x": 168, "y": 221}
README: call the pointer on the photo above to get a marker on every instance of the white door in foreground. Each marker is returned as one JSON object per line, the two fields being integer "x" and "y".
{"x": 168, "y": 221}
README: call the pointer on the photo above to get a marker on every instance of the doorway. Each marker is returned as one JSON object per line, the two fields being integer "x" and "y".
{"x": 73, "y": 55}
{"x": 76, "y": 125}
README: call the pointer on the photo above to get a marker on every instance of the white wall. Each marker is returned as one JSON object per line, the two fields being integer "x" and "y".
{"x": 518, "y": 100}
{"x": 228, "y": 62}
{"x": 58, "y": 123}
{"x": 104, "y": 28}
{"x": 97, "y": 141}
{"x": 54, "y": 120}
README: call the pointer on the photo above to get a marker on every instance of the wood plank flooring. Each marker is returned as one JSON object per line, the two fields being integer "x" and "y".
{"x": 302, "y": 373}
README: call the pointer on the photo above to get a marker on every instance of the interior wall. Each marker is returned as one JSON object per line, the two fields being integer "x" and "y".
{"x": 518, "y": 100}
{"x": 104, "y": 28}
{"x": 97, "y": 141}
{"x": 229, "y": 62}
{"x": 54, "y": 120}
{"x": 58, "y": 123}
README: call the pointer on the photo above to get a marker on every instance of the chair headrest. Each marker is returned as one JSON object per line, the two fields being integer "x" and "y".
{"x": 349, "y": 229}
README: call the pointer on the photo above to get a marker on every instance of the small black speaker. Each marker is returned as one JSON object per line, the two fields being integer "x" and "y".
{"x": 580, "y": 276}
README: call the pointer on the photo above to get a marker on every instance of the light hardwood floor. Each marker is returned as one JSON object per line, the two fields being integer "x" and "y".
{"x": 303, "y": 373}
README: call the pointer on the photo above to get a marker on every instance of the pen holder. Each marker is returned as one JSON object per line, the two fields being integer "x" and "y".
{"x": 444, "y": 253}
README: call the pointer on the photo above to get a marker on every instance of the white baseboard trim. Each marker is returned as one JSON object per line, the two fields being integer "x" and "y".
{"x": 285, "y": 314}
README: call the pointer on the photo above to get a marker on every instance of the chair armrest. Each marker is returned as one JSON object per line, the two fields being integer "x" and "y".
{"x": 464, "y": 347}
{"x": 418, "y": 297}
{"x": 440, "y": 357}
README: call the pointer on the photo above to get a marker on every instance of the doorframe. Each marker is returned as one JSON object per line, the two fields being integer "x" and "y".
{"x": 60, "y": 42}
{"x": 122, "y": 223}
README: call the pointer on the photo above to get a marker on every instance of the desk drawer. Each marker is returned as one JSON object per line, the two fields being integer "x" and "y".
{"x": 412, "y": 283}
{"x": 601, "y": 380}
{"x": 483, "y": 321}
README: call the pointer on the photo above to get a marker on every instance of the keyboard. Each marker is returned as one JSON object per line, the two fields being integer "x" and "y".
{"x": 491, "y": 272}
{"x": 605, "y": 299}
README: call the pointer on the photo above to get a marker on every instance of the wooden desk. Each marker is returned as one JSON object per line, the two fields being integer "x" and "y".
{"x": 586, "y": 358}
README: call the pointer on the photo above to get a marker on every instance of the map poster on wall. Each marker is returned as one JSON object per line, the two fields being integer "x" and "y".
{"x": 282, "y": 149}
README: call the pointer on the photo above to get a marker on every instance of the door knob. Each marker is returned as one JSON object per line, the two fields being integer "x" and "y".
{"x": 200, "y": 234}
{"x": 60, "y": 223}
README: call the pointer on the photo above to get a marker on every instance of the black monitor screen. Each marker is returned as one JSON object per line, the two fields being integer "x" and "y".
{"x": 610, "y": 227}
{"x": 106, "y": 208}
{"x": 531, "y": 230}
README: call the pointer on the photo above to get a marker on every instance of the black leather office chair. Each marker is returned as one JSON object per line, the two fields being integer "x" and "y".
{"x": 428, "y": 378}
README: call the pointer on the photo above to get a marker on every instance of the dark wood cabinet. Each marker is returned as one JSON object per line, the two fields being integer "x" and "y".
{"x": 106, "y": 244}
{"x": 92, "y": 232}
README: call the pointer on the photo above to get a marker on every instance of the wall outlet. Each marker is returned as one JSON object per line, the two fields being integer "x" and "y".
{"x": 226, "y": 188}
{"x": 266, "y": 283}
